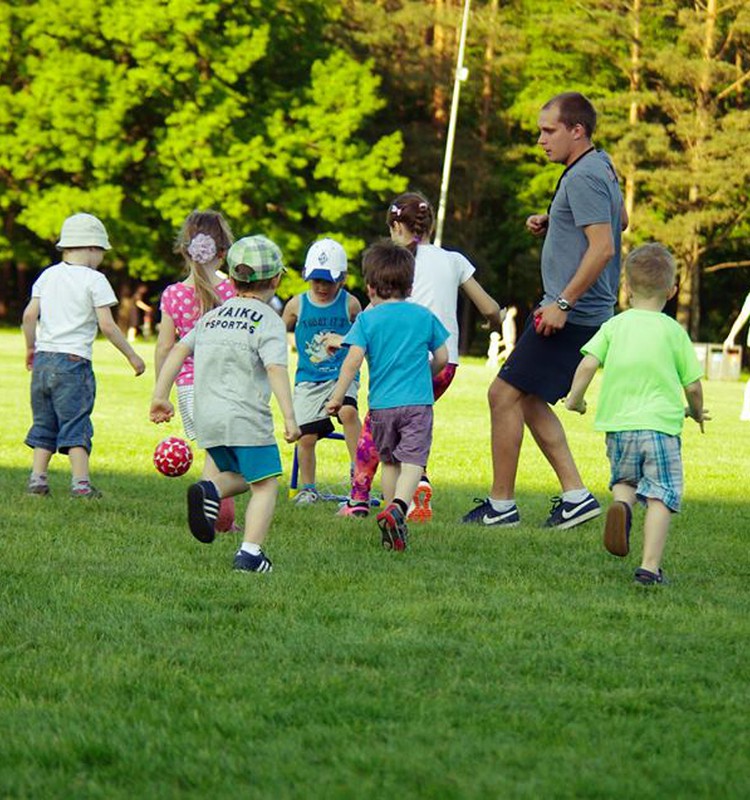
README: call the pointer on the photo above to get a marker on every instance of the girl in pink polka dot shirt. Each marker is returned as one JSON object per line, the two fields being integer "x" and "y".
{"x": 203, "y": 242}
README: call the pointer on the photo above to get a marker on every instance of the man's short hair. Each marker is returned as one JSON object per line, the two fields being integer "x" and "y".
{"x": 574, "y": 109}
{"x": 389, "y": 269}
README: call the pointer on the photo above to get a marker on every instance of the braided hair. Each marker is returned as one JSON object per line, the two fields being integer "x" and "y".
{"x": 414, "y": 211}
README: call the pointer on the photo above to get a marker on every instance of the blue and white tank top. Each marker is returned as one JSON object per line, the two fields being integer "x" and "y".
{"x": 314, "y": 362}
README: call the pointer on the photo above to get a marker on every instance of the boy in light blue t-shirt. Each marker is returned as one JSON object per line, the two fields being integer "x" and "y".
{"x": 397, "y": 339}
{"x": 649, "y": 363}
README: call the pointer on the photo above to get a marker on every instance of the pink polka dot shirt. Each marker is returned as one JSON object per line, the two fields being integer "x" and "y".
{"x": 180, "y": 303}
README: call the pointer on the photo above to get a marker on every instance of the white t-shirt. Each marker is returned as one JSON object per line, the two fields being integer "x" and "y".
{"x": 438, "y": 274}
{"x": 69, "y": 295}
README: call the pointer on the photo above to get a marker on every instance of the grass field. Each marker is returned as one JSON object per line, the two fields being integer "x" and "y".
{"x": 480, "y": 664}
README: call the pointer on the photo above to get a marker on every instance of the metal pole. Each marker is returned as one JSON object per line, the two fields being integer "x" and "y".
{"x": 461, "y": 74}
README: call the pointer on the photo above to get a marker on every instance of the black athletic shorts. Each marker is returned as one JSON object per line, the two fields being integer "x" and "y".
{"x": 544, "y": 365}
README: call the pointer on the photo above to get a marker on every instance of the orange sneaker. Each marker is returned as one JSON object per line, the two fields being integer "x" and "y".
{"x": 420, "y": 509}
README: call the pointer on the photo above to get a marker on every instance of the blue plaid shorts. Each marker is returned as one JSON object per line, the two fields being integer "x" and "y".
{"x": 649, "y": 460}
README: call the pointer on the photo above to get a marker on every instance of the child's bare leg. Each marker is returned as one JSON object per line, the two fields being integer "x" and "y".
{"x": 408, "y": 480}
{"x": 225, "y": 520}
{"x": 306, "y": 458}
{"x": 229, "y": 484}
{"x": 624, "y": 493}
{"x": 79, "y": 463}
{"x": 260, "y": 510}
{"x": 352, "y": 428}
{"x": 388, "y": 478}
{"x": 655, "y": 530}
{"x": 41, "y": 460}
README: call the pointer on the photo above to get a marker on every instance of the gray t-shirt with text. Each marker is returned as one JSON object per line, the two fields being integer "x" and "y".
{"x": 232, "y": 346}
{"x": 588, "y": 194}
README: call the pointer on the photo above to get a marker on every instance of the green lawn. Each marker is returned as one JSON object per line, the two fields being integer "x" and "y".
{"x": 480, "y": 664}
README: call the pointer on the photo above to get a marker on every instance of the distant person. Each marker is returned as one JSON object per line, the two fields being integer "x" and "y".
{"x": 326, "y": 308}
{"x": 397, "y": 338}
{"x": 580, "y": 276}
{"x": 139, "y": 318}
{"x": 68, "y": 302}
{"x": 649, "y": 363}
{"x": 203, "y": 241}
{"x": 240, "y": 357}
{"x": 742, "y": 318}
{"x": 439, "y": 275}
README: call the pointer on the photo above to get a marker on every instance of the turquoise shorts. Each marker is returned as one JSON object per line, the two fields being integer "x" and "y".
{"x": 253, "y": 463}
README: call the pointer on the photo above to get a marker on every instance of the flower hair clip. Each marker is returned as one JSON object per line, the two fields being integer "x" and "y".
{"x": 202, "y": 248}
{"x": 396, "y": 210}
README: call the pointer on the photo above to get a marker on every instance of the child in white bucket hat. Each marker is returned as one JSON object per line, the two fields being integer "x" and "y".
{"x": 69, "y": 301}
{"x": 325, "y": 309}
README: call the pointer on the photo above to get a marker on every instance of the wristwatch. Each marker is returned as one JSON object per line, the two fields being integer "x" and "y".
{"x": 563, "y": 304}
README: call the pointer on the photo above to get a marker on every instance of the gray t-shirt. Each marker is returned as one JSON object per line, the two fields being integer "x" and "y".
{"x": 588, "y": 194}
{"x": 232, "y": 345}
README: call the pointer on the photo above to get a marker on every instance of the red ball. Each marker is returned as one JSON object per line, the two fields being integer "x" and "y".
{"x": 173, "y": 457}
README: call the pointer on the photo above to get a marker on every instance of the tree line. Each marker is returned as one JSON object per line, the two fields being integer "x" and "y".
{"x": 301, "y": 118}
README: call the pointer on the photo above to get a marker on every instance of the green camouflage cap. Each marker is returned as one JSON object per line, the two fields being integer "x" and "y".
{"x": 254, "y": 258}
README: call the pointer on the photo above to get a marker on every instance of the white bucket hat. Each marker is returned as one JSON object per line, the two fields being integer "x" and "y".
{"x": 326, "y": 261}
{"x": 83, "y": 230}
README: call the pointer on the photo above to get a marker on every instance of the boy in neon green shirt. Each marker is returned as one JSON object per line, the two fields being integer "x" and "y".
{"x": 649, "y": 364}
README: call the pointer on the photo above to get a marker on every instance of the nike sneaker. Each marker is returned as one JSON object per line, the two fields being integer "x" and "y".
{"x": 485, "y": 514}
{"x": 566, "y": 515}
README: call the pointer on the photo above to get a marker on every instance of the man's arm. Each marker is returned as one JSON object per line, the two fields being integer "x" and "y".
{"x": 601, "y": 248}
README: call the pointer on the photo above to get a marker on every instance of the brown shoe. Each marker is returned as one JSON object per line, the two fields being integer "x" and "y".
{"x": 617, "y": 529}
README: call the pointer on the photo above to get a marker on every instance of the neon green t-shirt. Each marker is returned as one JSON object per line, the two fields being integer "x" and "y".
{"x": 648, "y": 358}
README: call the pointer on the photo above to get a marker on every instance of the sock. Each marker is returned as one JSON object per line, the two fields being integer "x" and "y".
{"x": 401, "y": 504}
{"x": 502, "y": 505}
{"x": 576, "y": 495}
{"x": 424, "y": 479}
{"x": 309, "y": 487}
{"x": 251, "y": 547}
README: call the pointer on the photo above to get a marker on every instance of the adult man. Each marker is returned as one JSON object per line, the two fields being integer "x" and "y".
{"x": 580, "y": 275}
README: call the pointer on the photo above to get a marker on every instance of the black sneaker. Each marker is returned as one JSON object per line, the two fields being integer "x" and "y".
{"x": 566, "y": 515}
{"x": 647, "y": 578}
{"x": 246, "y": 562}
{"x": 617, "y": 528}
{"x": 393, "y": 530}
{"x": 203, "y": 508}
{"x": 485, "y": 514}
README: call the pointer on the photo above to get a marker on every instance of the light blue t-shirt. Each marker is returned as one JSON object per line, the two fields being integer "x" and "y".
{"x": 397, "y": 338}
{"x": 588, "y": 194}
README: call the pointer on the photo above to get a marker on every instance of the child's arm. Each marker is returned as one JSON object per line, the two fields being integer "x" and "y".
{"x": 581, "y": 380}
{"x": 161, "y": 408}
{"x": 439, "y": 359}
{"x": 30, "y": 319}
{"x": 278, "y": 378}
{"x": 487, "y": 307}
{"x": 742, "y": 318}
{"x": 694, "y": 397}
{"x": 165, "y": 342}
{"x": 108, "y": 327}
{"x": 349, "y": 370}
{"x": 355, "y": 308}
{"x": 290, "y": 314}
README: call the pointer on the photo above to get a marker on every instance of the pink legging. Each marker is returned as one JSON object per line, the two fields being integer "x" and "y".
{"x": 367, "y": 460}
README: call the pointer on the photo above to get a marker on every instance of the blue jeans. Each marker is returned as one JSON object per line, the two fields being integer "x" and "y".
{"x": 63, "y": 390}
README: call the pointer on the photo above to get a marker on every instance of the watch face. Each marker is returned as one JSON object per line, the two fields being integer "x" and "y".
{"x": 563, "y": 305}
